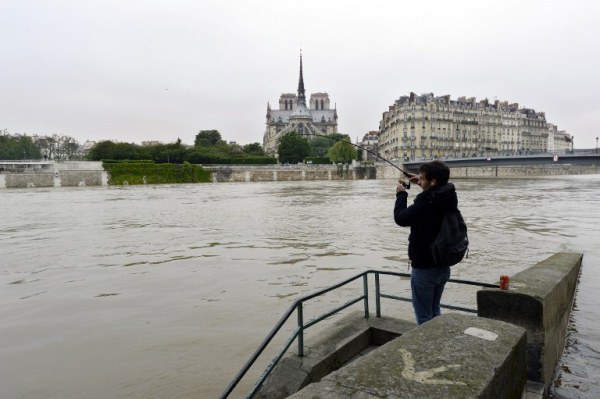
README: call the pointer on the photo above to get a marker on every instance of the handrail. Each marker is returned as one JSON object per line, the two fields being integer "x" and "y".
{"x": 299, "y": 332}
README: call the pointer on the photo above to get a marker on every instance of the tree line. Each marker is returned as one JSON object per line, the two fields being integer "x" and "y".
{"x": 22, "y": 146}
{"x": 208, "y": 148}
{"x": 336, "y": 148}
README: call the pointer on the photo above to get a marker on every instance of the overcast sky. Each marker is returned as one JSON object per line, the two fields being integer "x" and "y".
{"x": 133, "y": 70}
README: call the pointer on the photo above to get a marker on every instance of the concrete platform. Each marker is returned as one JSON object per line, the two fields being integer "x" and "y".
{"x": 351, "y": 337}
{"x": 452, "y": 356}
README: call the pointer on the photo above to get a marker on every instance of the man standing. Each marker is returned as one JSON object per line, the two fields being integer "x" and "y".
{"x": 424, "y": 217}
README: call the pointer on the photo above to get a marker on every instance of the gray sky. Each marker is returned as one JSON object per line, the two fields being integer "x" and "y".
{"x": 133, "y": 70}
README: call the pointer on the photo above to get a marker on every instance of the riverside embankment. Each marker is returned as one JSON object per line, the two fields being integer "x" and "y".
{"x": 16, "y": 174}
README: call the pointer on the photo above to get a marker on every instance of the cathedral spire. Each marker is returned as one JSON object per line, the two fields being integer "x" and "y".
{"x": 301, "y": 95}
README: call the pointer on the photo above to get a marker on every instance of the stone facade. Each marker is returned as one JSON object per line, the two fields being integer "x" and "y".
{"x": 423, "y": 127}
{"x": 293, "y": 115}
{"x": 369, "y": 146}
{"x": 559, "y": 141}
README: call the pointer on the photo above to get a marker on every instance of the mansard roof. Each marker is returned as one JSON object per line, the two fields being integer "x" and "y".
{"x": 428, "y": 98}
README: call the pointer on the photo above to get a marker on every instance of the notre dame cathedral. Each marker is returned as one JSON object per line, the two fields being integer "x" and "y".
{"x": 293, "y": 115}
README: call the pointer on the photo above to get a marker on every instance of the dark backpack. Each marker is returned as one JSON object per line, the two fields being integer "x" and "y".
{"x": 452, "y": 242}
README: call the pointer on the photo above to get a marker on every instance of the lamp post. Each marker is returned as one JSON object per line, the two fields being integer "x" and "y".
{"x": 572, "y": 144}
{"x": 596, "y": 144}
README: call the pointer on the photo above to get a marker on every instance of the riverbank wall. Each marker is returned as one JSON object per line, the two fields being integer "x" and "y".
{"x": 385, "y": 171}
{"x": 29, "y": 174}
{"x": 23, "y": 174}
{"x": 300, "y": 172}
{"x": 248, "y": 173}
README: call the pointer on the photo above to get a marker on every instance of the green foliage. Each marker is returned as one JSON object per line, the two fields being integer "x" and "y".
{"x": 57, "y": 146}
{"x": 168, "y": 153}
{"x": 342, "y": 151}
{"x": 118, "y": 151}
{"x": 17, "y": 147}
{"x": 293, "y": 148}
{"x": 317, "y": 160}
{"x": 220, "y": 153}
{"x": 134, "y": 173}
{"x": 319, "y": 146}
{"x": 338, "y": 137}
{"x": 207, "y": 156}
{"x": 253, "y": 149}
{"x": 160, "y": 153}
{"x": 208, "y": 138}
{"x": 359, "y": 154}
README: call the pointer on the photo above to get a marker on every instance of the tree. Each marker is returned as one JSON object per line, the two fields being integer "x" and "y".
{"x": 235, "y": 150}
{"x": 319, "y": 146}
{"x": 102, "y": 150}
{"x": 47, "y": 145}
{"x": 253, "y": 149}
{"x": 118, "y": 151}
{"x": 70, "y": 146}
{"x": 208, "y": 138}
{"x": 203, "y": 155}
{"x": 65, "y": 146}
{"x": 293, "y": 148}
{"x": 335, "y": 137}
{"x": 17, "y": 146}
{"x": 342, "y": 151}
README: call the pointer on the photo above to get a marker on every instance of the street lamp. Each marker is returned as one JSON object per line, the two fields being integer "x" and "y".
{"x": 572, "y": 144}
{"x": 596, "y": 144}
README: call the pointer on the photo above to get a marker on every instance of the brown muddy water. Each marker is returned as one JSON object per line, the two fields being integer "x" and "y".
{"x": 164, "y": 291}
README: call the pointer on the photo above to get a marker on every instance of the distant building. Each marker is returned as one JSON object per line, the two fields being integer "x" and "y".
{"x": 426, "y": 126}
{"x": 369, "y": 146}
{"x": 293, "y": 115}
{"x": 559, "y": 141}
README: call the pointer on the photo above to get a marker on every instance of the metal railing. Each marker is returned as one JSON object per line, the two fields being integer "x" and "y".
{"x": 297, "y": 306}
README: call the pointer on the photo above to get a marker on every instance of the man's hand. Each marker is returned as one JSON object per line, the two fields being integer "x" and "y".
{"x": 413, "y": 178}
{"x": 400, "y": 188}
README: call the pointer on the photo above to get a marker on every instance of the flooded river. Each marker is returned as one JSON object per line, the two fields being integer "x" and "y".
{"x": 164, "y": 291}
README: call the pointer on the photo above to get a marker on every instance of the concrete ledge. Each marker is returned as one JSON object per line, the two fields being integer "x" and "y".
{"x": 349, "y": 338}
{"x": 540, "y": 300}
{"x": 438, "y": 359}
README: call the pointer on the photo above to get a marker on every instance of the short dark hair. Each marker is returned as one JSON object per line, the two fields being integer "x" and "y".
{"x": 436, "y": 170}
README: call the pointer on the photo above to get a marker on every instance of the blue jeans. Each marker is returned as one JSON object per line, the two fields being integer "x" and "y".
{"x": 427, "y": 286}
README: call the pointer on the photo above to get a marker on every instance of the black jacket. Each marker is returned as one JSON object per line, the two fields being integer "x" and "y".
{"x": 424, "y": 217}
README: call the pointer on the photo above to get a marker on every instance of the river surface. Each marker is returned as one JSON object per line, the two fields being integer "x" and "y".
{"x": 164, "y": 291}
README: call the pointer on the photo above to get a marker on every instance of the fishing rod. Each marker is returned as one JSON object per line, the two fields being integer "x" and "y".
{"x": 408, "y": 175}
